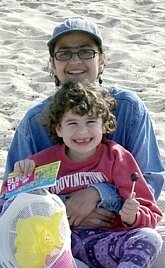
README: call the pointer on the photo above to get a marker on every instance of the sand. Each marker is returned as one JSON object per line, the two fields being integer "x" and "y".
{"x": 134, "y": 34}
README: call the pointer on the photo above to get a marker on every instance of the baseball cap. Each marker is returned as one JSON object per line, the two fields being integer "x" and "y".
{"x": 74, "y": 25}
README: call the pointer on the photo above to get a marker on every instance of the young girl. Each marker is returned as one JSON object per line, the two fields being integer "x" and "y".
{"x": 80, "y": 117}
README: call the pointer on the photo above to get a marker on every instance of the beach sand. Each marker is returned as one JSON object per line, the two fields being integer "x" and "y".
{"x": 134, "y": 34}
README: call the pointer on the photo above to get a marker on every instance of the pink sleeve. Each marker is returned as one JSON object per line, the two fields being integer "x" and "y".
{"x": 149, "y": 213}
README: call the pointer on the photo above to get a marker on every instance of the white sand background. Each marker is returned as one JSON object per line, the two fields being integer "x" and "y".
{"x": 134, "y": 34}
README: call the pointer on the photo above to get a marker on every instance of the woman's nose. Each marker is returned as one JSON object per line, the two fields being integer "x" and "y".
{"x": 75, "y": 57}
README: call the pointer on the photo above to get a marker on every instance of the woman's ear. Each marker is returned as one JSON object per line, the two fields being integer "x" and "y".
{"x": 59, "y": 131}
{"x": 51, "y": 66}
{"x": 102, "y": 62}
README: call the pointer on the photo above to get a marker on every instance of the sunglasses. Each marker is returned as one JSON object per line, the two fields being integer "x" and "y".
{"x": 83, "y": 54}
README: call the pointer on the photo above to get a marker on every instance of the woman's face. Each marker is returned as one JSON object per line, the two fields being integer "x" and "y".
{"x": 76, "y": 69}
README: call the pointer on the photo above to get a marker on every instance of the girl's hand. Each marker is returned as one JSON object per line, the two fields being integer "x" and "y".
{"x": 24, "y": 167}
{"x": 3, "y": 189}
{"x": 129, "y": 210}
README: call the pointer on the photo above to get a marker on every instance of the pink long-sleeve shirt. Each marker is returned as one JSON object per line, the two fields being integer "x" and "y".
{"x": 111, "y": 163}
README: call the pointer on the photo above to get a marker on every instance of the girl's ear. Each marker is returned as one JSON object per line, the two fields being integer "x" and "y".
{"x": 104, "y": 129}
{"x": 59, "y": 131}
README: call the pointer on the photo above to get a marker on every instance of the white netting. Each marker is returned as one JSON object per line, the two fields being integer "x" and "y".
{"x": 35, "y": 233}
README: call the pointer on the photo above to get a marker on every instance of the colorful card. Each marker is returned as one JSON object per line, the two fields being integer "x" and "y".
{"x": 43, "y": 177}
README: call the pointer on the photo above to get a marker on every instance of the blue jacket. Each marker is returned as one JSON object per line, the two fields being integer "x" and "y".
{"x": 134, "y": 132}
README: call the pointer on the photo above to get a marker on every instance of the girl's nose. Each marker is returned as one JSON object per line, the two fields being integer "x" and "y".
{"x": 82, "y": 129}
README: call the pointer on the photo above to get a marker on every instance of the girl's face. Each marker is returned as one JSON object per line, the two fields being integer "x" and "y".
{"x": 81, "y": 134}
{"x": 76, "y": 69}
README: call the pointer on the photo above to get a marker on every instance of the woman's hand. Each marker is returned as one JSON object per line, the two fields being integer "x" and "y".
{"x": 80, "y": 204}
{"x": 82, "y": 209}
{"x": 99, "y": 217}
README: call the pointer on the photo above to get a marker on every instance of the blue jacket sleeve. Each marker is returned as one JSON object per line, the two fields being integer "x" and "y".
{"x": 109, "y": 195}
{"x": 29, "y": 138}
{"x": 136, "y": 134}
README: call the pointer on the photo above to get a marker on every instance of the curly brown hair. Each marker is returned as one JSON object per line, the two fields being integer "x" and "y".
{"x": 81, "y": 98}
